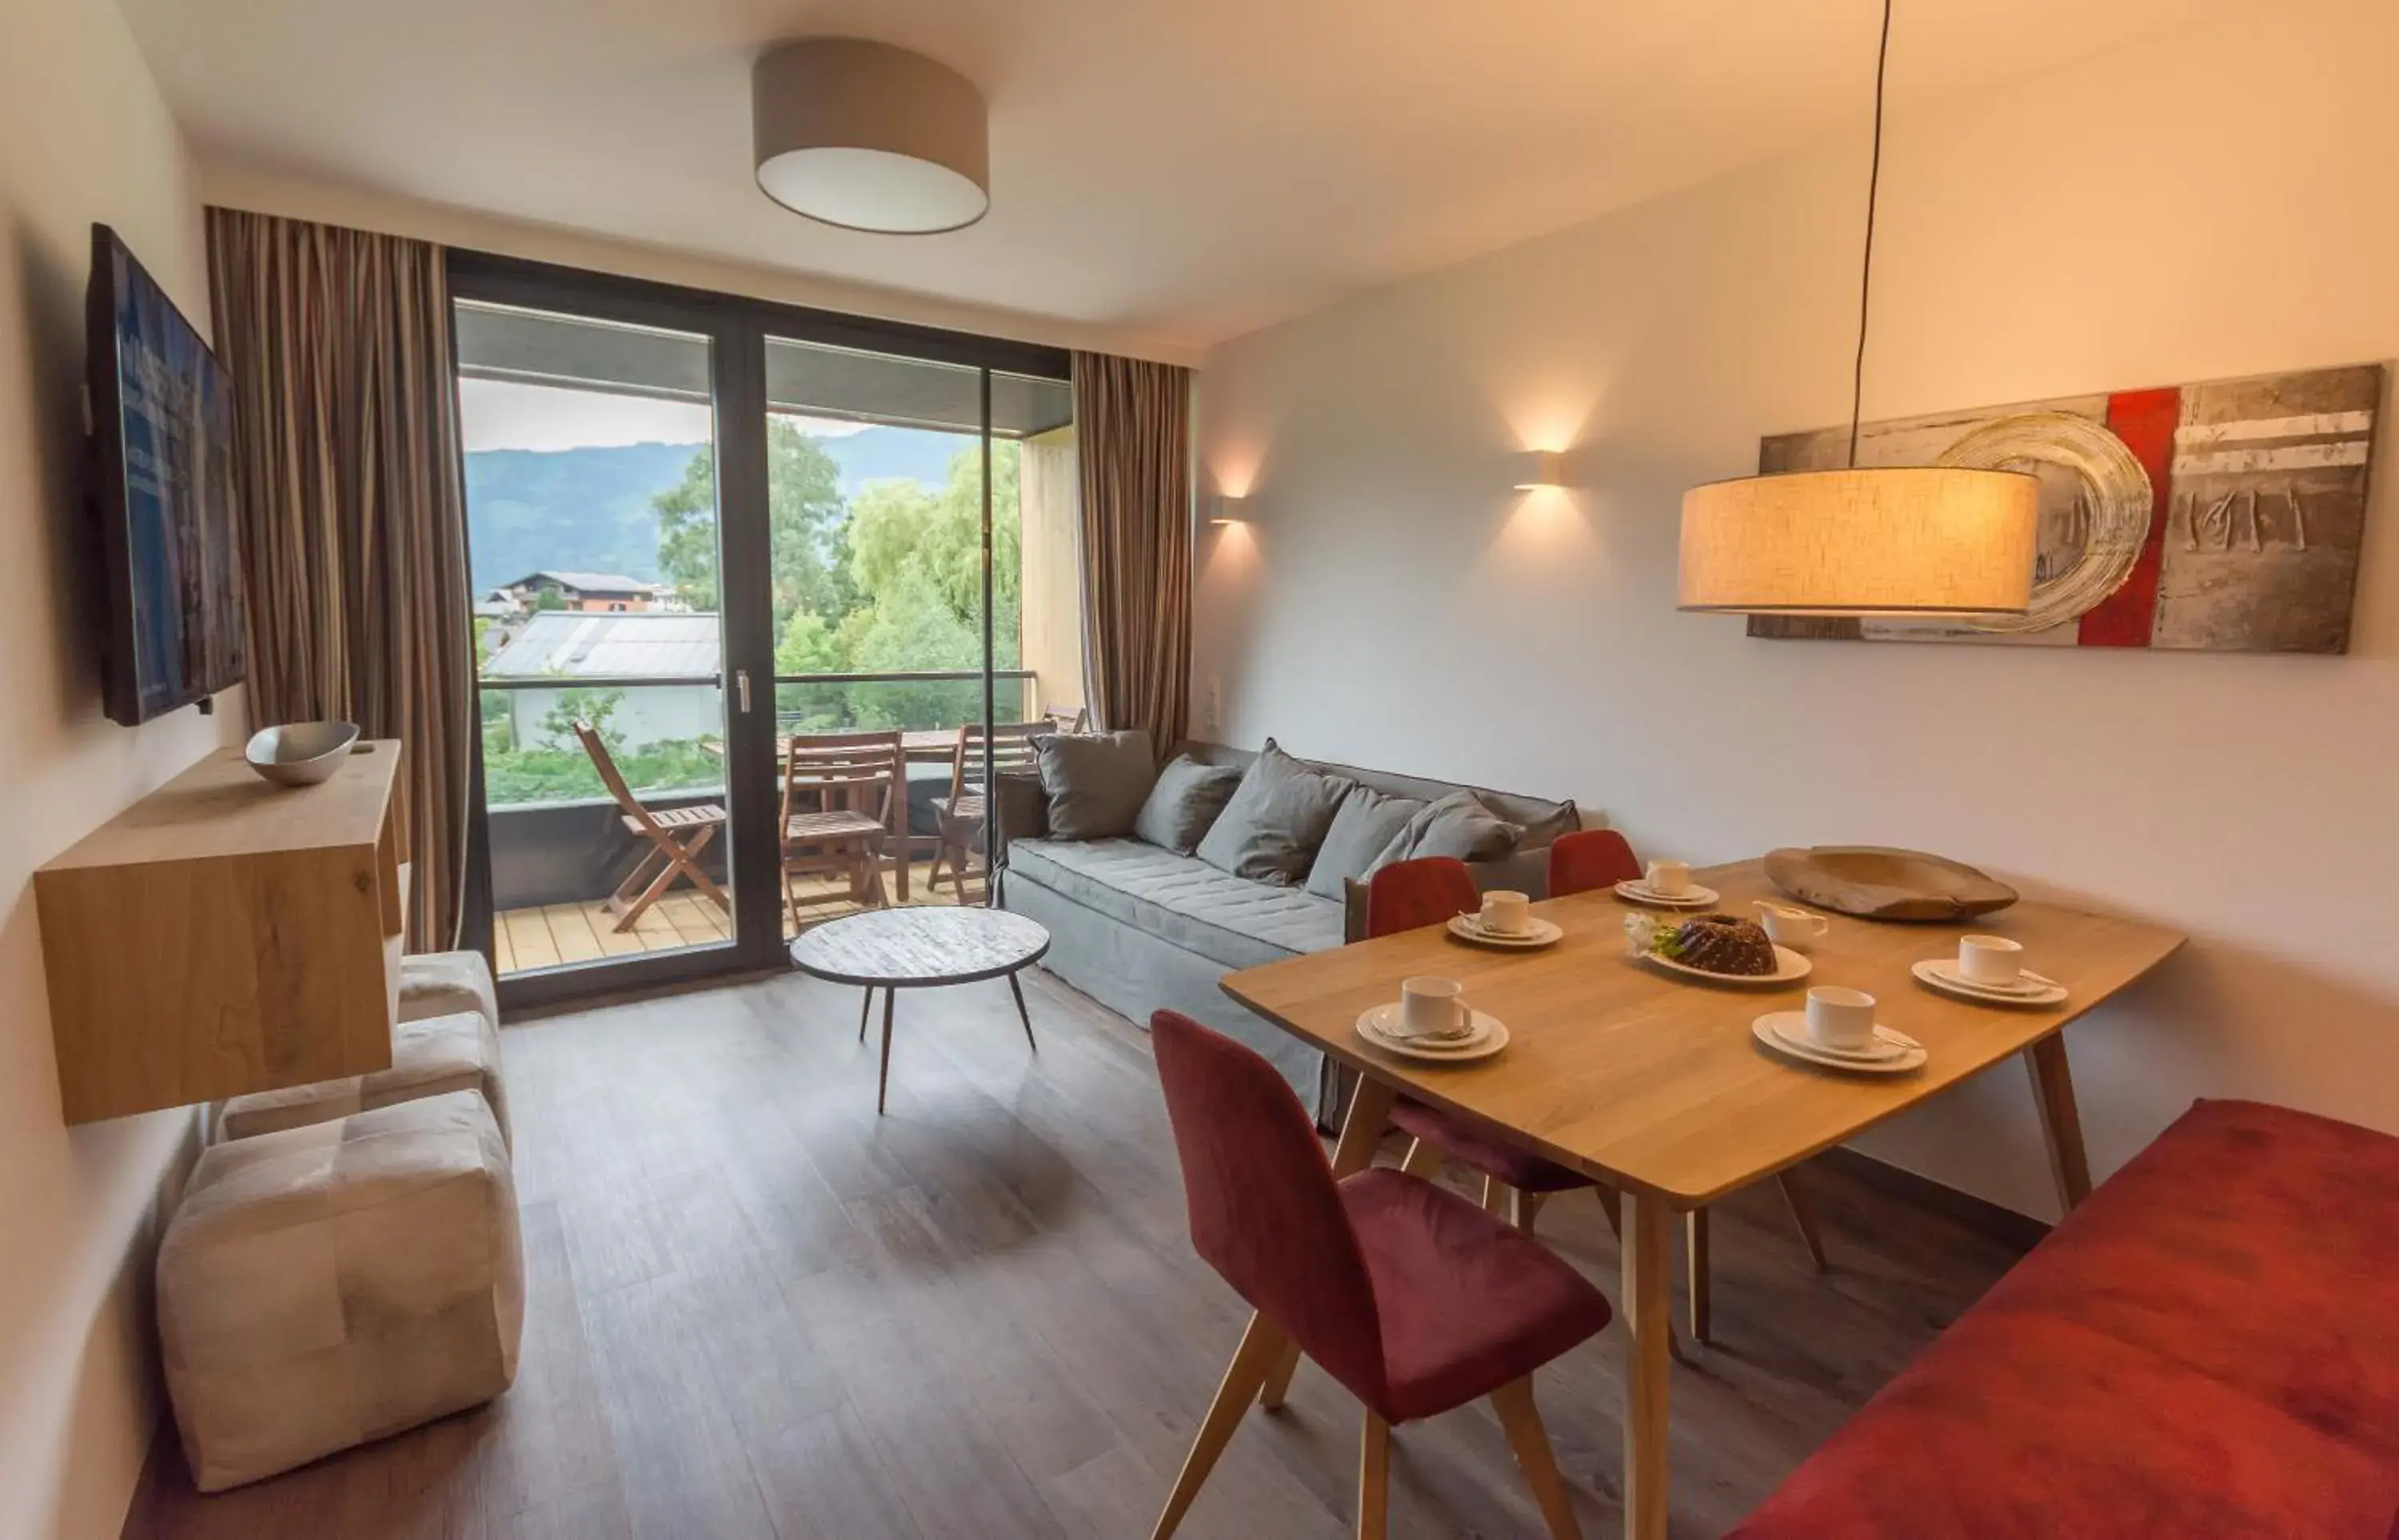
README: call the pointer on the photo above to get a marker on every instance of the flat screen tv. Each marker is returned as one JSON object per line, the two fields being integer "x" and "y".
{"x": 163, "y": 438}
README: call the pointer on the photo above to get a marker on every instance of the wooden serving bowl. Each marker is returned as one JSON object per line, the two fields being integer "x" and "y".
{"x": 1876, "y": 883}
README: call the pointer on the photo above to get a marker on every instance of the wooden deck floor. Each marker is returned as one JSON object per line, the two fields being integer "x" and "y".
{"x": 757, "y": 1311}
{"x": 555, "y": 934}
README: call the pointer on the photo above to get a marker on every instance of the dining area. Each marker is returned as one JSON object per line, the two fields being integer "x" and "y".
{"x": 1581, "y": 1043}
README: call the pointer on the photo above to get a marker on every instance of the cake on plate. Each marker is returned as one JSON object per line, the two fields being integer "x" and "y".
{"x": 1724, "y": 943}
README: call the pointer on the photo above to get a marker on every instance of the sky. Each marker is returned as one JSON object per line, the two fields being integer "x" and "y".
{"x": 502, "y": 414}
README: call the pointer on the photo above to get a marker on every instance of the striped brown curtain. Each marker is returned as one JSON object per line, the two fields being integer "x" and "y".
{"x": 1132, "y": 422}
{"x": 354, "y": 516}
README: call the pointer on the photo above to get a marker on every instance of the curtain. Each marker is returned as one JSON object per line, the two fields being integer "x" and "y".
{"x": 1132, "y": 423}
{"x": 353, "y": 511}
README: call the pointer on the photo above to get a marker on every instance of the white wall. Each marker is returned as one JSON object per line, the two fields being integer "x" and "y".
{"x": 2220, "y": 203}
{"x": 83, "y": 137}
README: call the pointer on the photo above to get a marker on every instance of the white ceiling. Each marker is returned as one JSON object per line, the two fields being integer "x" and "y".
{"x": 1177, "y": 170}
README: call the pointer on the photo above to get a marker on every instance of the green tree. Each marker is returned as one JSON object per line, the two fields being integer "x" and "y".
{"x": 805, "y": 515}
{"x": 594, "y": 706}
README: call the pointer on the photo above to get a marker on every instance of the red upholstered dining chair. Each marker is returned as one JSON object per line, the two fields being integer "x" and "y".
{"x": 1515, "y": 1179}
{"x": 1414, "y": 1300}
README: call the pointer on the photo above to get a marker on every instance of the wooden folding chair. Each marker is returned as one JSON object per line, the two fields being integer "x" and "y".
{"x": 841, "y": 791}
{"x": 964, "y": 811}
{"x": 677, "y": 835}
{"x": 1068, "y": 719}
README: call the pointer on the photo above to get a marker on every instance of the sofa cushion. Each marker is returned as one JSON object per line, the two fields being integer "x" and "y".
{"x": 2208, "y": 1347}
{"x": 1096, "y": 782}
{"x": 1279, "y": 814}
{"x": 1180, "y": 899}
{"x": 1457, "y": 825}
{"x": 1185, "y": 804}
{"x": 1363, "y": 827}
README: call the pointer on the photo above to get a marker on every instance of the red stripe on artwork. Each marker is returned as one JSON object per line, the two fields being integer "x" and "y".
{"x": 2146, "y": 420}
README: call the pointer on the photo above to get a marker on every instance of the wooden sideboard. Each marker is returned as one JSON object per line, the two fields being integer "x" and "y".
{"x": 224, "y": 936}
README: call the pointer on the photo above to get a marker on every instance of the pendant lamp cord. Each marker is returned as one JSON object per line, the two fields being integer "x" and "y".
{"x": 1865, "y": 278}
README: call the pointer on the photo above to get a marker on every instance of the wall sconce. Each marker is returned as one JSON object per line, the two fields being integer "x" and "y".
{"x": 1227, "y": 509}
{"x": 1539, "y": 469}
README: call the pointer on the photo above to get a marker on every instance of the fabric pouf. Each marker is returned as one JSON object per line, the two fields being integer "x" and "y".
{"x": 429, "y": 1058}
{"x": 442, "y": 983}
{"x": 324, "y": 1286}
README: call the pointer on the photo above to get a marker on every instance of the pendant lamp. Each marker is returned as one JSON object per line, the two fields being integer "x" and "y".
{"x": 1902, "y": 540}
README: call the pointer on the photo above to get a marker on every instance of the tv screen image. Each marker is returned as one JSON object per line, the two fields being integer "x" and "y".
{"x": 162, "y": 411}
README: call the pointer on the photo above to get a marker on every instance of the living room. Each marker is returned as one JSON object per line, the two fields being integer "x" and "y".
{"x": 1433, "y": 335}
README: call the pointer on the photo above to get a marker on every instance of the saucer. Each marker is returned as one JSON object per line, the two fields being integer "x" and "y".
{"x": 1541, "y": 933}
{"x": 1487, "y": 1038}
{"x": 1941, "y": 974}
{"x": 1791, "y": 968}
{"x": 1786, "y": 1032}
{"x": 1636, "y": 890}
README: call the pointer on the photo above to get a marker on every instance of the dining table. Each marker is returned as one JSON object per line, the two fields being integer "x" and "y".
{"x": 1652, "y": 1082}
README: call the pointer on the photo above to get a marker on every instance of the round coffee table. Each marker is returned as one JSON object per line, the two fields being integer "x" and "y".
{"x": 897, "y": 949}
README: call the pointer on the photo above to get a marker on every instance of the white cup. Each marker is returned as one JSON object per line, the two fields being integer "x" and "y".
{"x": 1506, "y": 913}
{"x": 1670, "y": 879}
{"x": 1992, "y": 960}
{"x": 1842, "y": 1019}
{"x": 1433, "y": 1007}
{"x": 1795, "y": 928}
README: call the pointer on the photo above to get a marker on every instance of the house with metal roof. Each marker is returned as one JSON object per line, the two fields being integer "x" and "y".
{"x": 666, "y": 668}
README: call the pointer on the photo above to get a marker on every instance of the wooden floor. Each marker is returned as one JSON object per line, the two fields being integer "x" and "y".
{"x": 552, "y": 934}
{"x": 757, "y": 1310}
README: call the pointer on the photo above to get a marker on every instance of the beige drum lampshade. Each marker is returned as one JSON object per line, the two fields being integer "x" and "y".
{"x": 870, "y": 137}
{"x": 1909, "y": 540}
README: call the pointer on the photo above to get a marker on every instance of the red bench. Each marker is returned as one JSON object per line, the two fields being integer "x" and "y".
{"x": 2207, "y": 1348}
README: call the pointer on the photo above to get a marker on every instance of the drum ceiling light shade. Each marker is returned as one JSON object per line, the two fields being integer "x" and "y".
{"x": 870, "y": 137}
{"x": 1901, "y": 540}
{"x": 1889, "y": 540}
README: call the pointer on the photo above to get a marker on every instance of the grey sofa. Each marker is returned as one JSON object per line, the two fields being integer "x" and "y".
{"x": 1138, "y": 927}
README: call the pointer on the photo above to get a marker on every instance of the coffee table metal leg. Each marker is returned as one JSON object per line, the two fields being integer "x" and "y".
{"x": 883, "y": 1079}
{"x": 1021, "y": 1014}
{"x": 865, "y": 1013}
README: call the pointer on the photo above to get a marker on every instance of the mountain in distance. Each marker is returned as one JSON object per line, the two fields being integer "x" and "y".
{"x": 589, "y": 510}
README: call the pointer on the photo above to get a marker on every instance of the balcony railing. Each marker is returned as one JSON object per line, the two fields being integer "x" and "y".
{"x": 555, "y": 834}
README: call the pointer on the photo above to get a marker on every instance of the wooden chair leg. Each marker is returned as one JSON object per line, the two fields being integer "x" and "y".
{"x": 687, "y": 863}
{"x": 1695, "y": 1257}
{"x": 1521, "y": 1419}
{"x": 635, "y": 880}
{"x": 650, "y": 894}
{"x": 1374, "y": 1479}
{"x": 1522, "y": 1209}
{"x": 1803, "y": 1214}
{"x": 1423, "y": 1159}
{"x": 1262, "y": 1344}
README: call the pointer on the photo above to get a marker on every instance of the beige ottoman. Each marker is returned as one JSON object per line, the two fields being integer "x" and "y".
{"x": 324, "y": 1286}
{"x": 442, "y": 983}
{"x": 429, "y": 1058}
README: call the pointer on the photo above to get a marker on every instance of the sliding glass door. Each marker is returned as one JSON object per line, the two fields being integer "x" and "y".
{"x": 702, "y": 527}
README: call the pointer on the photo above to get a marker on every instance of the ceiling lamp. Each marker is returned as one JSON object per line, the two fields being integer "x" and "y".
{"x": 1905, "y": 540}
{"x": 870, "y": 137}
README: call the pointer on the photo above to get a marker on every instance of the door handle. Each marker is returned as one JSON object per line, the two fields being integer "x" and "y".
{"x": 741, "y": 687}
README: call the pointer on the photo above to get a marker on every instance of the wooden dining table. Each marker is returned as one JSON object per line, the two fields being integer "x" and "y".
{"x": 1652, "y": 1083}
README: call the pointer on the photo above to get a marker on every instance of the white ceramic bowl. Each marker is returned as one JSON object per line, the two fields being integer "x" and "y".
{"x": 300, "y": 753}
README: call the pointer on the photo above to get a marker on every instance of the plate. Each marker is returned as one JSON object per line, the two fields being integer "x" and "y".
{"x": 1489, "y": 1037}
{"x": 1637, "y": 891}
{"x": 1543, "y": 933}
{"x": 1792, "y": 969}
{"x": 1774, "y": 1028}
{"x": 1941, "y": 974}
{"x": 1791, "y": 1026}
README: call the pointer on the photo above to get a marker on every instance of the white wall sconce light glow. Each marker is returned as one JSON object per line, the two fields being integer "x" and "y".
{"x": 1539, "y": 469}
{"x": 1899, "y": 540}
{"x": 1226, "y": 509}
{"x": 870, "y": 137}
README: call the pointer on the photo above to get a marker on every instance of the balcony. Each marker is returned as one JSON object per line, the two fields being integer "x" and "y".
{"x": 559, "y": 845}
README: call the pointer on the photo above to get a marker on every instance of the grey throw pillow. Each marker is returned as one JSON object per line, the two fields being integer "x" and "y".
{"x": 1456, "y": 825}
{"x": 1270, "y": 831}
{"x": 1096, "y": 782}
{"x": 1363, "y": 829}
{"x": 1185, "y": 804}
